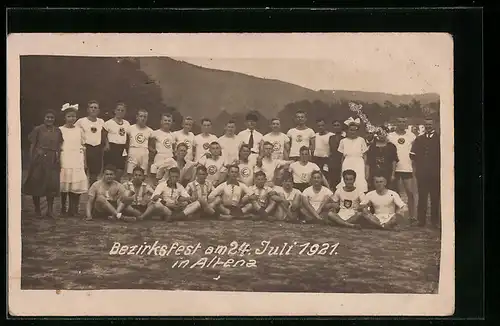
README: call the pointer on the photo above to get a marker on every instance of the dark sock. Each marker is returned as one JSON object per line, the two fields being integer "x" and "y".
{"x": 36, "y": 203}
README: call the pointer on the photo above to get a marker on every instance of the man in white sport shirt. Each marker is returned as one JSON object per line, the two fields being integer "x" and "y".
{"x": 203, "y": 140}
{"x": 92, "y": 127}
{"x": 386, "y": 205}
{"x": 403, "y": 140}
{"x": 162, "y": 144}
{"x": 116, "y": 140}
{"x": 139, "y": 134}
{"x": 250, "y": 136}
{"x": 280, "y": 141}
{"x": 321, "y": 146}
{"x": 271, "y": 167}
{"x": 186, "y": 136}
{"x": 230, "y": 143}
{"x": 300, "y": 136}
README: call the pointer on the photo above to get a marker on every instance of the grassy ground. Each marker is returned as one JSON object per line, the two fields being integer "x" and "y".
{"x": 72, "y": 254}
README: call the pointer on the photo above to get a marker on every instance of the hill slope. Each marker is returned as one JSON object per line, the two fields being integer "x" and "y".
{"x": 199, "y": 91}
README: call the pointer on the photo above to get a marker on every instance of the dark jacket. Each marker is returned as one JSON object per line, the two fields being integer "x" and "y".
{"x": 426, "y": 153}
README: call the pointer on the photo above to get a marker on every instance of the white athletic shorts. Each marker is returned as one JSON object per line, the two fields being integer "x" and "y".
{"x": 346, "y": 214}
{"x": 384, "y": 218}
{"x": 159, "y": 161}
{"x": 137, "y": 157}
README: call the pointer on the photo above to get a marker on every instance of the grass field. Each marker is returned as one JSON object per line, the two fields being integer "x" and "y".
{"x": 73, "y": 254}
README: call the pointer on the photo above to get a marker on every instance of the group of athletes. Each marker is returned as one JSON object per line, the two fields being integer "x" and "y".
{"x": 333, "y": 177}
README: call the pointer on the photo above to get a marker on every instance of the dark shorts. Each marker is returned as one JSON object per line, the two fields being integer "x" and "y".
{"x": 115, "y": 156}
{"x": 301, "y": 186}
{"x": 403, "y": 175}
{"x": 94, "y": 159}
{"x": 321, "y": 162}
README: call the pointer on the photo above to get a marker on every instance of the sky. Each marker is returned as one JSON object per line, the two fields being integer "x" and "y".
{"x": 393, "y": 63}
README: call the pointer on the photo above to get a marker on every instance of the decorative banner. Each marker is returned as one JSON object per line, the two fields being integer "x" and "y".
{"x": 357, "y": 109}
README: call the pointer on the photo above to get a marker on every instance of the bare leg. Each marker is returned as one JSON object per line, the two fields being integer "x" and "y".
{"x": 392, "y": 221}
{"x": 104, "y": 206}
{"x": 281, "y": 212}
{"x": 336, "y": 219}
{"x": 165, "y": 212}
{"x": 206, "y": 207}
{"x": 225, "y": 213}
{"x": 64, "y": 198}
{"x": 150, "y": 210}
{"x": 373, "y": 220}
{"x": 189, "y": 210}
{"x": 247, "y": 208}
{"x": 408, "y": 187}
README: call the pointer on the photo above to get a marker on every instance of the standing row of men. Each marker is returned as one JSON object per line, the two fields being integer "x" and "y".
{"x": 126, "y": 146}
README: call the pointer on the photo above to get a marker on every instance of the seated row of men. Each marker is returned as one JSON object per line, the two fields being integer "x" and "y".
{"x": 232, "y": 199}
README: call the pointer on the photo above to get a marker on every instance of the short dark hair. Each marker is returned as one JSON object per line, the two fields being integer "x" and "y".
{"x": 252, "y": 117}
{"x": 138, "y": 168}
{"x": 349, "y": 172}
{"x": 304, "y": 148}
{"x": 287, "y": 176}
{"x": 230, "y": 121}
{"x": 320, "y": 120}
{"x": 174, "y": 170}
{"x": 120, "y": 104}
{"x": 167, "y": 115}
{"x": 379, "y": 174}
{"x": 300, "y": 112}
{"x": 201, "y": 168}
{"x": 142, "y": 110}
{"x": 233, "y": 166}
{"x": 205, "y": 119}
{"x": 267, "y": 143}
{"x": 260, "y": 174}
{"x": 109, "y": 167}
{"x": 336, "y": 121}
{"x": 214, "y": 143}
{"x": 89, "y": 103}
{"x": 182, "y": 144}
{"x": 275, "y": 119}
{"x": 316, "y": 172}
{"x": 49, "y": 111}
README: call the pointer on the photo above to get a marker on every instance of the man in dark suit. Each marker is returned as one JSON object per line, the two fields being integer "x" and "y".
{"x": 335, "y": 160}
{"x": 426, "y": 153}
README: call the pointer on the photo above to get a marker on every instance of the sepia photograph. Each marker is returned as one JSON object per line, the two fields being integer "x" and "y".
{"x": 230, "y": 166}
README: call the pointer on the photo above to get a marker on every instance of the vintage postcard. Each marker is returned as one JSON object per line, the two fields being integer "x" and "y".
{"x": 231, "y": 174}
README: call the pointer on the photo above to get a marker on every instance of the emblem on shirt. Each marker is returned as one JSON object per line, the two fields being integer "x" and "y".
{"x": 121, "y": 132}
{"x": 93, "y": 129}
{"x": 139, "y": 138}
{"x": 206, "y": 146}
{"x": 304, "y": 177}
{"x": 188, "y": 143}
{"x": 347, "y": 203}
{"x": 212, "y": 169}
{"x": 299, "y": 138}
{"x": 245, "y": 172}
{"x": 277, "y": 146}
{"x": 167, "y": 143}
{"x": 401, "y": 141}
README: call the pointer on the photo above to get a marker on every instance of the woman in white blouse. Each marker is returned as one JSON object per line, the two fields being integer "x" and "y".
{"x": 353, "y": 149}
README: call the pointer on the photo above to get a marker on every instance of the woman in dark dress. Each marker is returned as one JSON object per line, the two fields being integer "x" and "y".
{"x": 44, "y": 170}
{"x": 381, "y": 158}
